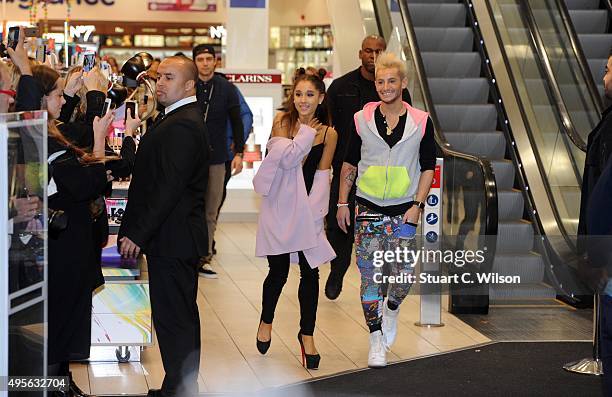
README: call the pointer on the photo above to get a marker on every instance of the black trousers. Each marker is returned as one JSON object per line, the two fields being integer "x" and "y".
{"x": 173, "y": 286}
{"x": 308, "y": 291}
{"x": 341, "y": 242}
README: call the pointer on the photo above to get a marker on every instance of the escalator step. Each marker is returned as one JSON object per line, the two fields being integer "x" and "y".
{"x": 445, "y": 39}
{"x": 595, "y": 45}
{"x": 514, "y": 236}
{"x": 528, "y": 266}
{"x": 589, "y": 21}
{"x": 510, "y": 205}
{"x": 509, "y": 292}
{"x": 504, "y": 174}
{"x": 459, "y": 91}
{"x": 582, "y": 4}
{"x": 451, "y": 64}
{"x": 467, "y": 117}
{"x": 489, "y": 144}
{"x": 442, "y": 15}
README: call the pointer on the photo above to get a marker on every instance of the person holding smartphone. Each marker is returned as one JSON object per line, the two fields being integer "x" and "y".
{"x": 392, "y": 156}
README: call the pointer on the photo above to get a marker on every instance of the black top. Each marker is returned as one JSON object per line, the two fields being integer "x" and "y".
{"x": 165, "y": 209}
{"x": 599, "y": 220}
{"x": 427, "y": 155}
{"x": 309, "y": 168}
{"x": 599, "y": 150}
{"x": 219, "y": 96}
{"x": 346, "y": 96}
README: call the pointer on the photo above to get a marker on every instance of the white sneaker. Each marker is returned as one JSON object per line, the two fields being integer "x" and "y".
{"x": 207, "y": 271}
{"x": 377, "y": 358}
{"x": 389, "y": 324}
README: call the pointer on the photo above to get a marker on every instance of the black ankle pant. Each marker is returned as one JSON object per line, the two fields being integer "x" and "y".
{"x": 308, "y": 292}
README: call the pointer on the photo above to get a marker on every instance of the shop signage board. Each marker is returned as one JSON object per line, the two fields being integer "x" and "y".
{"x": 253, "y": 78}
{"x": 183, "y": 5}
{"x": 25, "y": 4}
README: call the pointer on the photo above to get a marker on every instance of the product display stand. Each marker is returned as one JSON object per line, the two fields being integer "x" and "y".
{"x": 121, "y": 313}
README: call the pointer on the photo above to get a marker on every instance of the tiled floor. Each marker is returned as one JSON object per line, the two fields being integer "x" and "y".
{"x": 229, "y": 311}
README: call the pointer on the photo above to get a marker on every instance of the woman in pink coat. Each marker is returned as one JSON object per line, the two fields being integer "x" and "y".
{"x": 294, "y": 181}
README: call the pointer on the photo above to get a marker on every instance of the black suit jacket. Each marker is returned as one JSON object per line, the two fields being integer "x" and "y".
{"x": 599, "y": 150}
{"x": 165, "y": 209}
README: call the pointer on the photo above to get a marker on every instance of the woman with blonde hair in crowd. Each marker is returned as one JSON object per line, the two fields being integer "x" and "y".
{"x": 294, "y": 181}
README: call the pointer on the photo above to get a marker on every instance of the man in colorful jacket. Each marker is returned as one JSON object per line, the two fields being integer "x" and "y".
{"x": 392, "y": 156}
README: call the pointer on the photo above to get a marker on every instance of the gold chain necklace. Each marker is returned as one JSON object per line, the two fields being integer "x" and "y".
{"x": 389, "y": 131}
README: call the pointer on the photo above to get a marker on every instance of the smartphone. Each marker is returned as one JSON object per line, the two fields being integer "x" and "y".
{"x": 41, "y": 53}
{"x": 13, "y": 37}
{"x": 31, "y": 32}
{"x": 408, "y": 230}
{"x": 89, "y": 61}
{"x": 107, "y": 106}
{"x": 133, "y": 107}
{"x": 106, "y": 69}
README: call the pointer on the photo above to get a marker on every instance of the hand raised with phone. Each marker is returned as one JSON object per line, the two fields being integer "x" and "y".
{"x": 74, "y": 84}
{"x": 101, "y": 125}
{"x": 19, "y": 55}
{"x": 131, "y": 123}
{"x": 95, "y": 80}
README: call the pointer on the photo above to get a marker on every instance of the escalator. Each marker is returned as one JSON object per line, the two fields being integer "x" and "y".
{"x": 471, "y": 121}
{"x": 591, "y": 23}
{"x": 495, "y": 93}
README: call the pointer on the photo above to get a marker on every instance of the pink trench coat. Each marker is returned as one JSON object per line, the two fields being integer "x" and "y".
{"x": 289, "y": 219}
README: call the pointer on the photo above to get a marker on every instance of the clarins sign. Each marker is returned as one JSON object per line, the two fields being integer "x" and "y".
{"x": 253, "y": 78}
{"x": 25, "y": 4}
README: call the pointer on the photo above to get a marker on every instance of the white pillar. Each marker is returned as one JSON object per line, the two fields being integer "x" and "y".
{"x": 348, "y": 30}
{"x": 248, "y": 34}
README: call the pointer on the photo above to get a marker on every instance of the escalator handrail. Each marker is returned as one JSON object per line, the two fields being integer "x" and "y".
{"x": 490, "y": 185}
{"x": 577, "y": 48}
{"x": 538, "y": 43}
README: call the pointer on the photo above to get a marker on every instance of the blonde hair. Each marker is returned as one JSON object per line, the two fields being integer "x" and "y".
{"x": 15, "y": 75}
{"x": 388, "y": 60}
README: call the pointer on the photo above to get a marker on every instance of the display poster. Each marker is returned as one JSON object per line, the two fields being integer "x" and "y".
{"x": 183, "y": 5}
{"x": 115, "y": 208}
{"x": 121, "y": 315}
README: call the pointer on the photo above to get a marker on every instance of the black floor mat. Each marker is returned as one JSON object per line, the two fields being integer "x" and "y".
{"x": 501, "y": 369}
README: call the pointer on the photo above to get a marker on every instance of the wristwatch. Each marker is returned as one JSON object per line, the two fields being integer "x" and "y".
{"x": 419, "y": 204}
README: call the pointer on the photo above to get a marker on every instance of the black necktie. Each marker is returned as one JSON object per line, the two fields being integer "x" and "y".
{"x": 158, "y": 119}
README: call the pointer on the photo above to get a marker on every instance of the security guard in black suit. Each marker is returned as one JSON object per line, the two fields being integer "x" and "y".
{"x": 164, "y": 218}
